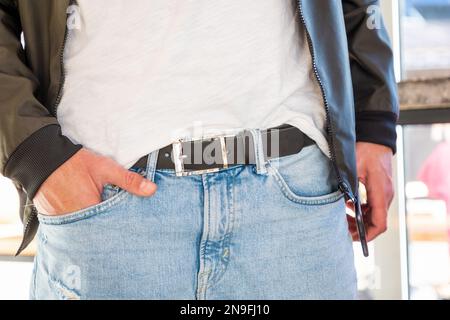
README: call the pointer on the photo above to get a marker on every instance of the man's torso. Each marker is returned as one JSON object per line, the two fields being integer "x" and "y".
{"x": 140, "y": 78}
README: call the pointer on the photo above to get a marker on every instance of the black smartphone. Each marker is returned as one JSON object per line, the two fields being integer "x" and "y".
{"x": 361, "y": 227}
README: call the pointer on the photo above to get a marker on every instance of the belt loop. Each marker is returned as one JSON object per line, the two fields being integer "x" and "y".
{"x": 151, "y": 165}
{"x": 258, "y": 147}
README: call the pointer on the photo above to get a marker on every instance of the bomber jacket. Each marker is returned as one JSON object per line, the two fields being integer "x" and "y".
{"x": 352, "y": 62}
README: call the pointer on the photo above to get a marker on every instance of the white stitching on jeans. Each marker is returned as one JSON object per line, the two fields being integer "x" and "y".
{"x": 84, "y": 213}
{"x": 305, "y": 200}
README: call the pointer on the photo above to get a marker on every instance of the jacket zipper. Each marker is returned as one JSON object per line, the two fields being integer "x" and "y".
{"x": 61, "y": 61}
{"x": 330, "y": 132}
{"x": 33, "y": 214}
{"x": 342, "y": 185}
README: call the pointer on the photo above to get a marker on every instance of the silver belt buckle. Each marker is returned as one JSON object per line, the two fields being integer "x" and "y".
{"x": 178, "y": 157}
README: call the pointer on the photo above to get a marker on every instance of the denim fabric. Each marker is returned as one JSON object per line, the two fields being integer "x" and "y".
{"x": 275, "y": 230}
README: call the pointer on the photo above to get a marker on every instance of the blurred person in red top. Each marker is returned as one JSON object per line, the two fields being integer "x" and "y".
{"x": 435, "y": 174}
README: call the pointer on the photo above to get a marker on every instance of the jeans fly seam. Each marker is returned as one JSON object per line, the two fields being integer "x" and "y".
{"x": 201, "y": 282}
{"x": 225, "y": 242}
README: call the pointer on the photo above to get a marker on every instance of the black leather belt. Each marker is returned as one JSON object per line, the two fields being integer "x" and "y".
{"x": 215, "y": 153}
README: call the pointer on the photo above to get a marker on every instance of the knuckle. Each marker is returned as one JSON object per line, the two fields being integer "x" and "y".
{"x": 130, "y": 178}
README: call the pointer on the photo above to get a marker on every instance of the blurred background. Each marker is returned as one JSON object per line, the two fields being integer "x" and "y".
{"x": 412, "y": 260}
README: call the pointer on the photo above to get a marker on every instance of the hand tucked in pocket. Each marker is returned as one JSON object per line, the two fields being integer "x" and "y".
{"x": 78, "y": 183}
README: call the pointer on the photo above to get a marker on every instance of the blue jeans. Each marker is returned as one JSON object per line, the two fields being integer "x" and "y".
{"x": 274, "y": 230}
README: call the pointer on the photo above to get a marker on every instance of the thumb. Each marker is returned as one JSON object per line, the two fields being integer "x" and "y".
{"x": 130, "y": 181}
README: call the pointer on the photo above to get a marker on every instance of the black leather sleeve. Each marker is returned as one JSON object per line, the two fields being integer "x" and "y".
{"x": 31, "y": 143}
{"x": 372, "y": 68}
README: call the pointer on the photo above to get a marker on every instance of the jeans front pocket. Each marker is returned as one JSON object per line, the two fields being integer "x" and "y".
{"x": 306, "y": 178}
{"x": 112, "y": 196}
{"x": 114, "y": 199}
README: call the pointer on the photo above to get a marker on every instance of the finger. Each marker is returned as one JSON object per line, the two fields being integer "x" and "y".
{"x": 377, "y": 202}
{"x": 374, "y": 229}
{"x": 352, "y": 228}
{"x": 350, "y": 205}
{"x": 131, "y": 181}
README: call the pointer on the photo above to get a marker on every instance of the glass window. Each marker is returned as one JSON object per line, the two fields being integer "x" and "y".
{"x": 10, "y": 224}
{"x": 425, "y": 29}
{"x": 15, "y": 272}
{"x": 427, "y": 191}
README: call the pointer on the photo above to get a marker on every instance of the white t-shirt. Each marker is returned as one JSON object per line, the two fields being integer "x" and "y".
{"x": 141, "y": 74}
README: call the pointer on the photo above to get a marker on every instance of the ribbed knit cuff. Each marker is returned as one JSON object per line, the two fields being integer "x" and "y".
{"x": 377, "y": 127}
{"x": 36, "y": 158}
